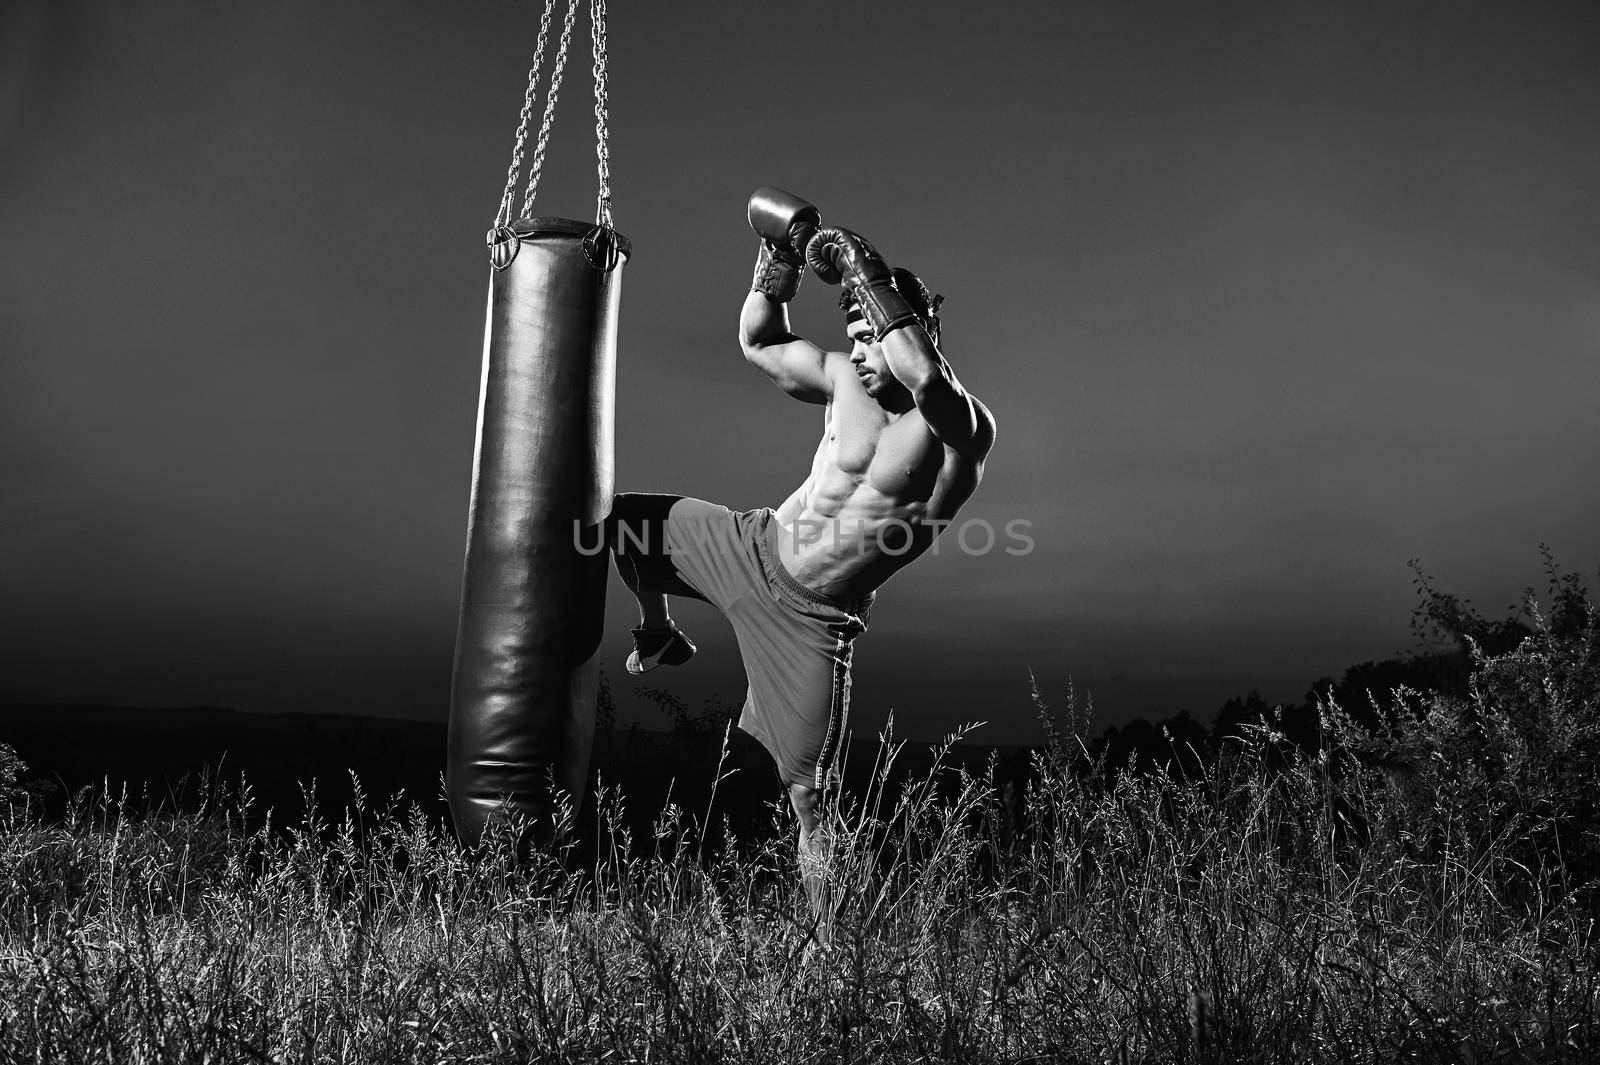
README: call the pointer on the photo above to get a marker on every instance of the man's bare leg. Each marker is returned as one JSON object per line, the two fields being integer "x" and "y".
{"x": 814, "y": 852}
{"x": 657, "y": 641}
{"x": 652, "y": 610}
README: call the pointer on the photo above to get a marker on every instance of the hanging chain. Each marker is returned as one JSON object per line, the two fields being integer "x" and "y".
{"x": 549, "y": 109}
{"x": 503, "y": 216}
{"x": 597, "y": 21}
{"x": 600, "y": 245}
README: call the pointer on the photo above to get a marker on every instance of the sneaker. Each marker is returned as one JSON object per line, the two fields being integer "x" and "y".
{"x": 659, "y": 647}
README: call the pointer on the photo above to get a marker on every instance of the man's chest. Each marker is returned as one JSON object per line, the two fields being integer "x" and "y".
{"x": 896, "y": 456}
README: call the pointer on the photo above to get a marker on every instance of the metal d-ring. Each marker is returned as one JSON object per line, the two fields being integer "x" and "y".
{"x": 503, "y": 246}
{"x": 601, "y": 249}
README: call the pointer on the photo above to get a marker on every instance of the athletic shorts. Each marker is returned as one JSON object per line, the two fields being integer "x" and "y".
{"x": 796, "y": 643}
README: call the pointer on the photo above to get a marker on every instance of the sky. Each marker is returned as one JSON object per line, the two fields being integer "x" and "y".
{"x": 1266, "y": 299}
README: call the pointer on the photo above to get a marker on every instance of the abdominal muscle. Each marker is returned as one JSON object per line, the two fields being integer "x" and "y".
{"x": 843, "y": 534}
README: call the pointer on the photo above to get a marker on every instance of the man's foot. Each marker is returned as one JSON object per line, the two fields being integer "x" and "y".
{"x": 659, "y": 647}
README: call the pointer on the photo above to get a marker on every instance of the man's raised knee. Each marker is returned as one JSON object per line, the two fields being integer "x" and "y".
{"x": 638, "y": 522}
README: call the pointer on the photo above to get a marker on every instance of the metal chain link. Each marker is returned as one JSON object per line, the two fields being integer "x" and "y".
{"x": 503, "y": 215}
{"x": 600, "y": 245}
{"x": 549, "y": 109}
{"x": 602, "y": 151}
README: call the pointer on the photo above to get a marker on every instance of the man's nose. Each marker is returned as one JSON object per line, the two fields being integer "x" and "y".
{"x": 858, "y": 355}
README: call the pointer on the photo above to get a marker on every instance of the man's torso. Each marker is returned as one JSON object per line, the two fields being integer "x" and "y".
{"x": 880, "y": 488}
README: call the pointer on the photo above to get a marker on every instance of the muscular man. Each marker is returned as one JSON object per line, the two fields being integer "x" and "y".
{"x": 903, "y": 447}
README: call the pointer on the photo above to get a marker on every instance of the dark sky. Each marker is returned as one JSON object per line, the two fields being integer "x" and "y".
{"x": 1266, "y": 299}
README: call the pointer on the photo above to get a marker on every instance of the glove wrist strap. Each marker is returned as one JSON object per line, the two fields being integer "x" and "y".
{"x": 884, "y": 307}
{"x": 776, "y": 278}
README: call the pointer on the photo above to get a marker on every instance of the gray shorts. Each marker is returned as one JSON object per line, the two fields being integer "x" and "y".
{"x": 796, "y": 644}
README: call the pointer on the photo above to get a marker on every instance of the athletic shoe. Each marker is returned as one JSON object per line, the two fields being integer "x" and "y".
{"x": 659, "y": 647}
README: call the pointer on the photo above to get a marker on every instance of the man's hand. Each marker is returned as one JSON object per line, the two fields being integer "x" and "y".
{"x": 785, "y": 223}
{"x": 842, "y": 256}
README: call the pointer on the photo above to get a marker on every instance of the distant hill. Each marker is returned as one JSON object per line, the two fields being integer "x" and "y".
{"x": 79, "y": 746}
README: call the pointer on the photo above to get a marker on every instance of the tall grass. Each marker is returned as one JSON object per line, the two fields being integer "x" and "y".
{"x": 1273, "y": 905}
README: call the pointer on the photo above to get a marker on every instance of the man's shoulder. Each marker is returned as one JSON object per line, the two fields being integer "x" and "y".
{"x": 837, "y": 368}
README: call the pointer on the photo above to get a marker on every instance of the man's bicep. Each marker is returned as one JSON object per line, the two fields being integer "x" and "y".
{"x": 797, "y": 366}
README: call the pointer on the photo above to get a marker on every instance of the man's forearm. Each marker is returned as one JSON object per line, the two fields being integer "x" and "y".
{"x": 953, "y": 416}
{"x": 763, "y": 321}
{"x": 912, "y": 358}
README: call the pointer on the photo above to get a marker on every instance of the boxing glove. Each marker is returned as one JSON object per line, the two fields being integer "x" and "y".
{"x": 784, "y": 222}
{"x": 842, "y": 256}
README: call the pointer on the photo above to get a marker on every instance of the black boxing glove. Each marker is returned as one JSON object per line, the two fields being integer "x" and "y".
{"x": 840, "y": 256}
{"x": 784, "y": 222}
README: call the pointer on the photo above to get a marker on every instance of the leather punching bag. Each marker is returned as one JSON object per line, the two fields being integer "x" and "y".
{"x": 533, "y": 590}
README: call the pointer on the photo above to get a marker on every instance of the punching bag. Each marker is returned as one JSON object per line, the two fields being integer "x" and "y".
{"x": 526, "y": 679}
{"x": 533, "y": 588}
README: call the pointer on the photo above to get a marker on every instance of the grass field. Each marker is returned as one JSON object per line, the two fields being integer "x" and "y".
{"x": 1420, "y": 889}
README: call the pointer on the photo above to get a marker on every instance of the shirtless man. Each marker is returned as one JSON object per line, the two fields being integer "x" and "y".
{"x": 903, "y": 447}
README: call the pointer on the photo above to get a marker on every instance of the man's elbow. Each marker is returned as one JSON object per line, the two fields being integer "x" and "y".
{"x": 751, "y": 347}
{"x": 761, "y": 356}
